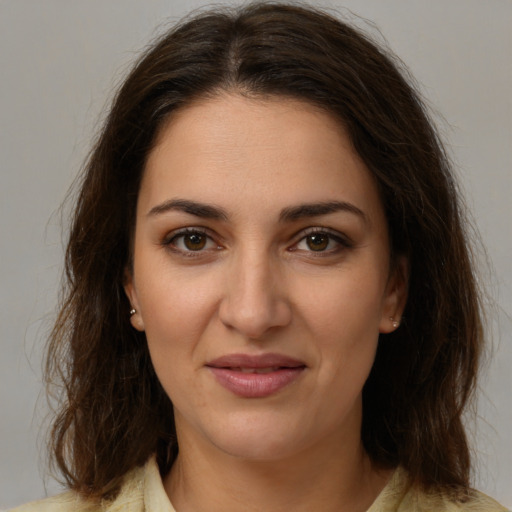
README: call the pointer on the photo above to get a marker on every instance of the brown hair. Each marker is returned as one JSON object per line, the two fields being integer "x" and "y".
{"x": 114, "y": 413}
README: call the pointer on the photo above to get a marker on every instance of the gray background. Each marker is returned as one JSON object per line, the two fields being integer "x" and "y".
{"x": 59, "y": 60}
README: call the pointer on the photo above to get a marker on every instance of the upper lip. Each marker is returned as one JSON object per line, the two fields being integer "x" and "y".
{"x": 255, "y": 361}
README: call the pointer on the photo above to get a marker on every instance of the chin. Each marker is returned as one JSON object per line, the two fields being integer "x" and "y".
{"x": 258, "y": 449}
{"x": 253, "y": 438}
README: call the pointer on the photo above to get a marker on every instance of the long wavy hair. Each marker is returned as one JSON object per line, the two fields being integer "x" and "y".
{"x": 113, "y": 413}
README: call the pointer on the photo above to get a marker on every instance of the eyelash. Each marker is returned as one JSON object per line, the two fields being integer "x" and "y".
{"x": 342, "y": 242}
{"x": 170, "y": 241}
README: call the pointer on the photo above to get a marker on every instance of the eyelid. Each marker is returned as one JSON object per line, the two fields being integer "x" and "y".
{"x": 343, "y": 241}
{"x": 169, "y": 237}
{"x": 340, "y": 238}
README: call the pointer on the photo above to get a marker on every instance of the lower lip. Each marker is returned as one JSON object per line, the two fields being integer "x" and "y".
{"x": 255, "y": 385}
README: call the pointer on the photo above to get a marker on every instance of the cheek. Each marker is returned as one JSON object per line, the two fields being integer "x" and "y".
{"x": 176, "y": 301}
{"x": 343, "y": 316}
{"x": 349, "y": 302}
{"x": 176, "y": 312}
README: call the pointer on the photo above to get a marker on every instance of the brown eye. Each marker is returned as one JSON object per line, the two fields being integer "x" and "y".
{"x": 194, "y": 241}
{"x": 190, "y": 241}
{"x": 318, "y": 241}
{"x": 322, "y": 242}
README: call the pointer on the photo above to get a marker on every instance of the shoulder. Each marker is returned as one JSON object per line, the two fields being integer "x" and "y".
{"x": 421, "y": 502}
{"x": 400, "y": 496}
{"x": 129, "y": 498}
{"x": 484, "y": 503}
{"x": 68, "y": 501}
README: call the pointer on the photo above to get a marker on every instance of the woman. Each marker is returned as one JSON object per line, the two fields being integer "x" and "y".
{"x": 270, "y": 303}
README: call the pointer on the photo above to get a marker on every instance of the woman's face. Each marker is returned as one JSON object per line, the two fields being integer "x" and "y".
{"x": 261, "y": 275}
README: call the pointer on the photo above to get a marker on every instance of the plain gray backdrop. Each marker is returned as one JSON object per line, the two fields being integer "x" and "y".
{"x": 59, "y": 62}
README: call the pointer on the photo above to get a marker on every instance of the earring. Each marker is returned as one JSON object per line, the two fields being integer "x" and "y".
{"x": 394, "y": 322}
{"x": 132, "y": 312}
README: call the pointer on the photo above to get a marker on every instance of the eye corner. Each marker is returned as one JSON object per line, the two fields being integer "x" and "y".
{"x": 330, "y": 242}
{"x": 190, "y": 242}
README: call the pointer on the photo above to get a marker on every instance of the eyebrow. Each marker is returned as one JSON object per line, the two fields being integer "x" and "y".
{"x": 317, "y": 209}
{"x": 288, "y": 214}
{"x": 205, "y": 211}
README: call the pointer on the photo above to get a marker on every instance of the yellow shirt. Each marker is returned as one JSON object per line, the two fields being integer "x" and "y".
{"x": 143, "y": 491}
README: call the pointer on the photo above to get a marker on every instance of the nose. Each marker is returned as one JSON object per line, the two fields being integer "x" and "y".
{"x": 254, "y": 300}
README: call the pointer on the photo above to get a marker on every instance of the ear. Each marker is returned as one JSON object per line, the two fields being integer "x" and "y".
{"x": 131, "y": 292}
{"x": 395, "y": 296}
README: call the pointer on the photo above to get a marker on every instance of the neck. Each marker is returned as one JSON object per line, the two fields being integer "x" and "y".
{"x": 318, "y": 478}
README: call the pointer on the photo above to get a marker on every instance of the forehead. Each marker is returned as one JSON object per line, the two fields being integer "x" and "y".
{"x": 243, "y": 152}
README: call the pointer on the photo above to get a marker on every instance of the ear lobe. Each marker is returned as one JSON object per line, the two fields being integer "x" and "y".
{"x": 395, "y": 297}
{"x": 135, "y": 313}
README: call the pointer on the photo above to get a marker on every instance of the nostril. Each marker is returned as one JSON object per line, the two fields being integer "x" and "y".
{"x": 253, "y": 319}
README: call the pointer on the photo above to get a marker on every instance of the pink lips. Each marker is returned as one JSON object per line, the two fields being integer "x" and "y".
{"x": 255, "y": 376}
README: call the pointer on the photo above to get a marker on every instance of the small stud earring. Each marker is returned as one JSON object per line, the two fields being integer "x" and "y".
{"x": 394, "y": 322}
{"x": 132, "y": 312}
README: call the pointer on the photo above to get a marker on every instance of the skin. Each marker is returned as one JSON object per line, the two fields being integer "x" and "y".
{"x": 256, "y": 285}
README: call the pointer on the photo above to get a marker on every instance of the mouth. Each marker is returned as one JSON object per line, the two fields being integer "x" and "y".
{"x": 260, "y": 371}
{"x": 260, "y": 376}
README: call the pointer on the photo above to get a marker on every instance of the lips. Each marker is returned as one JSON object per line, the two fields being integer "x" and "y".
{"x": 251, "y": 376}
